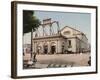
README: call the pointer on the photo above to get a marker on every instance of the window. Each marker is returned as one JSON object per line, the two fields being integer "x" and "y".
{"x": 67, "y": 32}
{"x": 69, "y": 44}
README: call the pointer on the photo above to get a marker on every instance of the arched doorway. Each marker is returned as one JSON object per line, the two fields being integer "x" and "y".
{"x": 63, "y": 48}
{"x": 45, "y": 48}
{"x": 53, "y": 47}
{"x": 39, "y": 49}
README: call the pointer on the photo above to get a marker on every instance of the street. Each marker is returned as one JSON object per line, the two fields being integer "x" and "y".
{"x": 60, "y": 60}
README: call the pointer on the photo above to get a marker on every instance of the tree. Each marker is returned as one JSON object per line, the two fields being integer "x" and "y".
{"x": 30, "y": 24}
{"x": 29, "y": 21}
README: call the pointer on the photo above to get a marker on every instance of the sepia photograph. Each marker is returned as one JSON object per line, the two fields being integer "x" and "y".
{"x": 56, "y": 39}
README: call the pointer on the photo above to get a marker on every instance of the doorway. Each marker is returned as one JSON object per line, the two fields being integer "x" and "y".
{"x": 53, "y": 49}
{"x": 45, "y": 49}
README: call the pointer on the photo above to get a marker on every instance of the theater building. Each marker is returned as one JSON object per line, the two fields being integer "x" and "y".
{"x": 68, "y": 40}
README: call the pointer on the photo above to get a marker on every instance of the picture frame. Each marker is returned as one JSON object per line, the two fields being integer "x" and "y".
{"x": 84, "y": 14}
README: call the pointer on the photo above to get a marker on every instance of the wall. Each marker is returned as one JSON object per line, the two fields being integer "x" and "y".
{"x": 5, "y": 41}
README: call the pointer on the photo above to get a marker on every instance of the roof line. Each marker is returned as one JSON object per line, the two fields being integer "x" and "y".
{"x": 71, "y": 28}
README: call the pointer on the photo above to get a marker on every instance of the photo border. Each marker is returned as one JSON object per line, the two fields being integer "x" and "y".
{"x": 14, "y": 37}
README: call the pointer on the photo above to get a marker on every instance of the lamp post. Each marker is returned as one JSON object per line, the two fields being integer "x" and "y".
{"x": 33, "y": 56}
{"x": 32, "y": 44}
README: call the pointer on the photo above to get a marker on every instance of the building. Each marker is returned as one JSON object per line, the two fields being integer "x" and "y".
{"x": 26, "y": 52}
{"x": 27, "y": 48}
{"x": 67, "y": 40}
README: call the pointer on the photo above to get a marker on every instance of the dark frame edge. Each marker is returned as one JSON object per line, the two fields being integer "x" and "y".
{"x": 96, "y": 39}
{"x": 13, "y": 40}
{"x": 54, "y": 4}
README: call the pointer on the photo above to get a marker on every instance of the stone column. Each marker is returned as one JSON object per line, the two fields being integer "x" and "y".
{"x": 56, "y": 46}
{"x": 59, "y": 46}
{"x": 33, "y": 46}
{"x": 49, "y": 47}
{"x": 42, "y": 47}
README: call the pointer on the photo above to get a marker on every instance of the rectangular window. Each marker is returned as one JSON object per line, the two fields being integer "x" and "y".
{"x": 69, "y": 44}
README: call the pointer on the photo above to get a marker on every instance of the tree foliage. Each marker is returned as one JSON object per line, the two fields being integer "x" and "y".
{"x": 29, "y": 21}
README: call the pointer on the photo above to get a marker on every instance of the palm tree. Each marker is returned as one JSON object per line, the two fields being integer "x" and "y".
{"x": 30, "y": 24}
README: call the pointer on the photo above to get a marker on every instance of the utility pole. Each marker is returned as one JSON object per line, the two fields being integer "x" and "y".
{"x": 32, "y": 44}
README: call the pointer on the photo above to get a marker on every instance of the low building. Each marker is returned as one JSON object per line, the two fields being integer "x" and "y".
{"x": 68, "y": 40}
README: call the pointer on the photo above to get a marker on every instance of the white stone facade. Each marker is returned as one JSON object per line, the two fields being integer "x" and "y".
{"x": 69, "y": 40}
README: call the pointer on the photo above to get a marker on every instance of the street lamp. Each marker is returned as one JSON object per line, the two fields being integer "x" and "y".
{"x": 32, "y": 44}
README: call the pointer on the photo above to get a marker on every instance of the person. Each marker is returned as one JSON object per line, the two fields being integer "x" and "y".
{"x": 89, "y": 62}
{"x": 34, "y": 57}
{"x": 30, "y": 62}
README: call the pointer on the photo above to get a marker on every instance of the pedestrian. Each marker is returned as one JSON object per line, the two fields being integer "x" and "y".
{"x": 89, "y": 62}
{"x": 34, "y": 57}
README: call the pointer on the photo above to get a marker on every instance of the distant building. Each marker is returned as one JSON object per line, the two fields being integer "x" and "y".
{"x": 27, "y": 48}
{"x": 68, "y": 40}
{"x": 26, "y": 52}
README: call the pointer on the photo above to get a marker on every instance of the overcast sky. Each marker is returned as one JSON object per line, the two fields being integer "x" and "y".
{"x": 79, "y": 21}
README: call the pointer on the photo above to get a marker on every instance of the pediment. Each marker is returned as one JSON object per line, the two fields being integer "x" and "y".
{"x": 69, "y": 32}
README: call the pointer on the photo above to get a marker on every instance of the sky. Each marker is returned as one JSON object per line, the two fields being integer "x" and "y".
{"x": 79, "y": 21}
